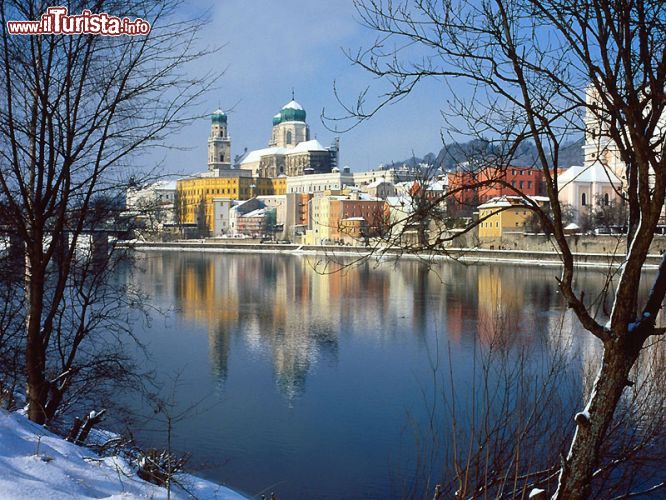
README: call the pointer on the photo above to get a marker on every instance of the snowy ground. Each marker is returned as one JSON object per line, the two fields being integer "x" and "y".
{"x": 36, "y": 464}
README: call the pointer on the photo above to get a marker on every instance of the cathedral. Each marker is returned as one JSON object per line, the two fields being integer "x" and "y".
{"x": 291, "y": 151}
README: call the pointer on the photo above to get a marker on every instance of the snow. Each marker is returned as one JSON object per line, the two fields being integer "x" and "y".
{"x": 255, "y": 156}
{"x": 595, "y": 173}
{"x": 312, "y": 145}
{"x": 293, "y": 105}
{"x": 536, "y": 492}
{"x": 34, "y": 463}
{"x": 301, "y": 147}
{"x": 585, "y": 415}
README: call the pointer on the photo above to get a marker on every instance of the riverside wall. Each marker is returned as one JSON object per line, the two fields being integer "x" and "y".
{"x": 533, "y": 257}
{"x": 578, "y": 243}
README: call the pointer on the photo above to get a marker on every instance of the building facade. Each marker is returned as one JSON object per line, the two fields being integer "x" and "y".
{"x": 290, "y": 150}
{"x": 219, "y": 143}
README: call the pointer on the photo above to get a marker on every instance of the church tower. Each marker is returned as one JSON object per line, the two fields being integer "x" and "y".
{"x": 289, "y": 126}
{"x": 219, "y": 144}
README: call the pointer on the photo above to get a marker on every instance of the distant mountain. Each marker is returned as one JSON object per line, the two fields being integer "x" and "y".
{"x": 483, "y": 151}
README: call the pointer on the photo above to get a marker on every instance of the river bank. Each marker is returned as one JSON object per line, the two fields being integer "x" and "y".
{"x": 35, "y": 463}
{"x": 467, "y": 255}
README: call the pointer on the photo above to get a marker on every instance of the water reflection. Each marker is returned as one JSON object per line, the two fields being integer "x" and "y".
{"x": 317, "y": 370}
{"x": 294, "y": 309}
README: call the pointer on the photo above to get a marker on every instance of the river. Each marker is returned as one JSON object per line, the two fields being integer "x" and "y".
{"x": 311, "y": 383}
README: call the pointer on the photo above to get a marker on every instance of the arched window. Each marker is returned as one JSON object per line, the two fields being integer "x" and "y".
{"x": 606, "y": 199}
{"x": 583, "y": 200}
{"x": 289, "y": 137}
{"x": 221, "y": 156}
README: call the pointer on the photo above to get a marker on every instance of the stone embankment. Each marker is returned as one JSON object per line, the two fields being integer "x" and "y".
{"x": 468, "y": 255}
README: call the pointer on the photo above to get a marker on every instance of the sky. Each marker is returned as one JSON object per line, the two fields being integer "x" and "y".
{"x": 270, "y": 47}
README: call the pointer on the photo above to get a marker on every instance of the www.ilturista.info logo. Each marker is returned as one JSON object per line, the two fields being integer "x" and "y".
{"x": 56, "y": 21}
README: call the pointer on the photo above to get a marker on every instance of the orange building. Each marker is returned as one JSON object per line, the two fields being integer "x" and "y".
{"x": 374, "y": 212}
{"x": 469, "y": 189}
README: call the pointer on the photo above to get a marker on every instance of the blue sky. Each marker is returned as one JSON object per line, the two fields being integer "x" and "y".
{"x": 271, "y": 46}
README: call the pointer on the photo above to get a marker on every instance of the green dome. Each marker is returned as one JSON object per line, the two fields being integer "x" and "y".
{"x": 218, "y": 116}
{"x": 277, "y": 119}
{"x": 292, "y": 112}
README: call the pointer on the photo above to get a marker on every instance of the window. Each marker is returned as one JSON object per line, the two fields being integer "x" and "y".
{"x": 221, "y": 156}
{"x": 606, "y": 199}
{"x": 529, "y": 184}
{"x": 583, "y": 200}
{"x": 289, "y": 137}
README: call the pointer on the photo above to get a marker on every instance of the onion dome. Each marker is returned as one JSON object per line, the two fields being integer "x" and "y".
{"x": 292, "y": 112}
{"x": 218, "y": 116}
{"x": 277, "y": 119}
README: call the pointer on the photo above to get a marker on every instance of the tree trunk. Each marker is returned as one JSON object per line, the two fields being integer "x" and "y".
{"x": 592, "y": 424}
{"x": 35, "y": 362}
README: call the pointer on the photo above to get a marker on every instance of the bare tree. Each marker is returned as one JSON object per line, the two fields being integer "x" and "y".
{"x": 540, "y": 71}
{"x": 76, "y": 113}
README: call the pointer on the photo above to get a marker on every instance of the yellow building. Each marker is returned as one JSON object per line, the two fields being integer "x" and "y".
{"x": 505, "y": 214}
{"x": 195, "y": 195}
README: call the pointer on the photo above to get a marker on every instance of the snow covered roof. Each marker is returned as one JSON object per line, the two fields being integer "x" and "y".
{"x": 395, "y": 201}
{"x": 313, "y": 145}
{"x": 165, "y": 185}
{"x": 595, "y": 173}
{"x": 512, "y": 201}
{"x": 379, "y": 181}
{"x": 437, "y": 186}
{"x": 255, "y": 156}
{"x": 301, "y": 147}
{"x": 293, "y": 105}
{"x": 496, "y": 203}
{"x": 259, "y": 212}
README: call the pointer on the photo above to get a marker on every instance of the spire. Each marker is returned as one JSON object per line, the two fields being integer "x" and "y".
{"x": 292, "y": 93}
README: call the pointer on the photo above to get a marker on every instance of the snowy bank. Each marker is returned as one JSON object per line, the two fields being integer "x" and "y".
{"x": 34, "y": 463}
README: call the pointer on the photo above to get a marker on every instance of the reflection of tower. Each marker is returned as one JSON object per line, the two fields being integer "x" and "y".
{"x": 219, "y": 144}
{"x": 218, "y": 350}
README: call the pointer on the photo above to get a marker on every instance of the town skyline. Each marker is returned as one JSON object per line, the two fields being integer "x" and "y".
{"x": 263, "y": 66}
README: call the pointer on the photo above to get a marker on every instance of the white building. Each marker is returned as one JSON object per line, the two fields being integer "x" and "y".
{"x": 583, "y": 187}
{"x": 392, "y": 175}
{"x": 318, "y": 183}
{"x": 153, "y": 203}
